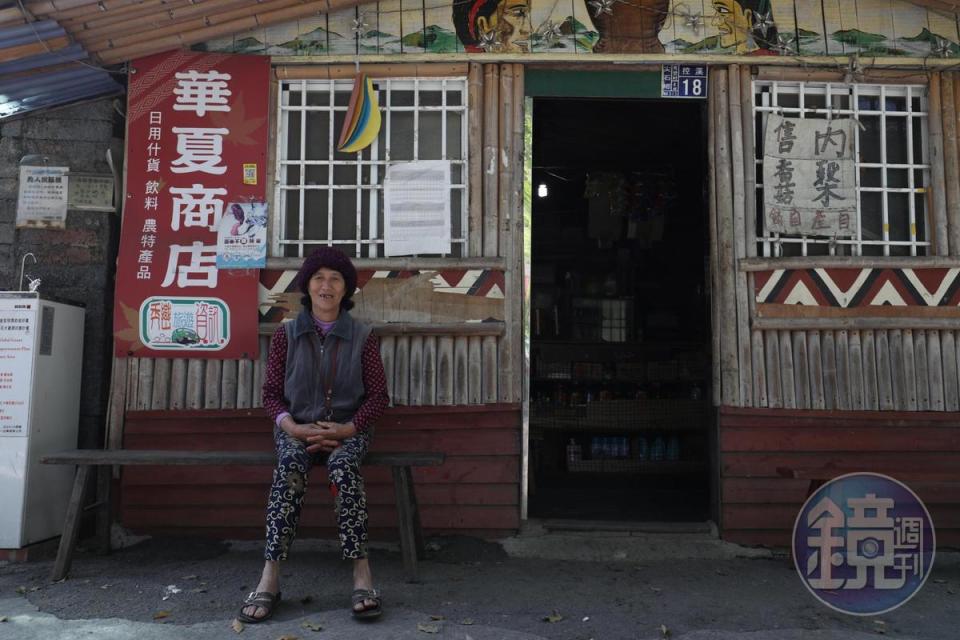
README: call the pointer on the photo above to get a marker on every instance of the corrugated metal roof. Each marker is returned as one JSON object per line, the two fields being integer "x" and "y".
{"x": 40, "y": 71}
{"x": 30, "y": 32}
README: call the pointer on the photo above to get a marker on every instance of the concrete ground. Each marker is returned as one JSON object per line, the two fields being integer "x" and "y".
{"x": 563, "y": 586}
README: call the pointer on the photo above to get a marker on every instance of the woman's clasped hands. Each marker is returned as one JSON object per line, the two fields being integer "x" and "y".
{"x": 327, "y": 436}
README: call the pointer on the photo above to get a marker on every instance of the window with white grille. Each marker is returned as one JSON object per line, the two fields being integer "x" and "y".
{"x": 891, "y": 159}
{"x": 325, "y": 197}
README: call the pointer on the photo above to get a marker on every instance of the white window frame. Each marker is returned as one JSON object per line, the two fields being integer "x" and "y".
{"x": 377, "y": 157}
{"x": 771, "y": 244}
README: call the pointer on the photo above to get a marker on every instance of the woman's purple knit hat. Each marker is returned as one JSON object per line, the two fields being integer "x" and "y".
{"x": 330, "y": 258}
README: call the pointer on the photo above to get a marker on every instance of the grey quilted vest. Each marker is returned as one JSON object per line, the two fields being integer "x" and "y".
{"x": 308, "y": 359}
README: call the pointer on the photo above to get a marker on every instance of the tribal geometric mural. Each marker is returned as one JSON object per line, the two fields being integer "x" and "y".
{"x": 849, "y": 288}
{"x": 449, "y": 295}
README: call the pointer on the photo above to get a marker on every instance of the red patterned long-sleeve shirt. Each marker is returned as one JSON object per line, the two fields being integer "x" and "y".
{"x": 374, "y": 381}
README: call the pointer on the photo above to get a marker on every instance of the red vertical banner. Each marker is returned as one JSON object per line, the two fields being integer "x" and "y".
{"x": 196, "y": 144}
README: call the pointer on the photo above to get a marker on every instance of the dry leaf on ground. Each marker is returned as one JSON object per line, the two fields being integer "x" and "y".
{"x": 553, "y": 617}
{"x": 467, "y": 621}
{"x": 160, "y": 615}
{"x": 285, "y": 637}
{"x": 312, "y": 626}
{"x": 664, "y": 631}
{"x": 436, "y": 616}
{"x": 237, "y": 626}
{"x": 428, "y": 628}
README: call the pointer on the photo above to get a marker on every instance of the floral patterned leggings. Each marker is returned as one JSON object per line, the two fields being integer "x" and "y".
{"x": 290, "y": 485}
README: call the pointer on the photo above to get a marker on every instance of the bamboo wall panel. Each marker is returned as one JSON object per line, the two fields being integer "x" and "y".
{"x": 870, "y": 370}
{"x": 461, "y": 380}
{"x": 421, "y": 370}
{"x": 161, "y": 384}
{"x": 178, "y": 384}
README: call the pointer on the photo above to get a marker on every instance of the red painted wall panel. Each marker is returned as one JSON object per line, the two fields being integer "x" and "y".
{"x": 768, "y": 458}
{"x": 477, "y": 490}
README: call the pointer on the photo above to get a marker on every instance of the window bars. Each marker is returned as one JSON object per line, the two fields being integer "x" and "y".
{"x": 891, "y": 158}
{"x": 325, "y": 197}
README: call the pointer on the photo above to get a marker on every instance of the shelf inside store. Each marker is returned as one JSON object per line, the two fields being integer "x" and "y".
{"x": 636, "y": 466}
{"x": 627, "y": 415}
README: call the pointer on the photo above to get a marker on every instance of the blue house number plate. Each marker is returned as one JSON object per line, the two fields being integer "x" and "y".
{"x": 683, "y": 81}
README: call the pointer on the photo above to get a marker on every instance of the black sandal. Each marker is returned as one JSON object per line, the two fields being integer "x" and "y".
{"x": 359, "y": 597}
{"x": 263, "y": 599}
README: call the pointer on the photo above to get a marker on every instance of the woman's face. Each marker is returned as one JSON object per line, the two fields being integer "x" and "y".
{"x": 733, "y": 23}
{"x": 511, "y": 22}
{"x": 326, "y": 289}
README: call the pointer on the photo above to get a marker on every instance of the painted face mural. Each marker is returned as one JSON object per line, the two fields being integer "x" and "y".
{"x": 733, "y": 22}
{"x": 505, "y": 24}
{"x": 738, "y": 23}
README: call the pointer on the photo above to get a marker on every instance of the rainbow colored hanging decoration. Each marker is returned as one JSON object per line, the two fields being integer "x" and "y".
{"x": 362, "y": 123}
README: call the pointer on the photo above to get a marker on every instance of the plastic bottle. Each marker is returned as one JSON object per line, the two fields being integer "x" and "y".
{"x": 658, "y": 449}
{"x": 642, "y": 448}
{"x": 574, "y": 452}
{"x": 673, "y": 448}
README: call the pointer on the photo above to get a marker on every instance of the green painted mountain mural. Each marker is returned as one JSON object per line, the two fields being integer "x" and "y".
{"x": 926, "y": 35}
{"x": 934, "y": 40}
{"x": 711, "y": 43}
{"x": 434, "y": 39}
{"x": 248, "y": 45}
{"x": 584, "y": 36}
{"x": 857, "y": 38}
{"x": 312, "y": 42}
{"x": 806, "y": 37}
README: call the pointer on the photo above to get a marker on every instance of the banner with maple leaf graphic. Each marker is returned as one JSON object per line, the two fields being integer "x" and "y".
{"x": 196, "y": 145}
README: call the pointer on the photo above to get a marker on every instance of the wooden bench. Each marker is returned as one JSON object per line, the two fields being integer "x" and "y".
{"x": 411, "y": 535}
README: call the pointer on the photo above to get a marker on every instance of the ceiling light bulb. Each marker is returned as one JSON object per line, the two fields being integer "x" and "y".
{"x": 542, "y": 190}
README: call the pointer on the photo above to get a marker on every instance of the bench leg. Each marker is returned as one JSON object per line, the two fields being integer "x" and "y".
{"x": 415, "y": 512}
{"x": 71, "y": 525}
{"x": 104, "y": 479}
{"x": 405, "y": 514}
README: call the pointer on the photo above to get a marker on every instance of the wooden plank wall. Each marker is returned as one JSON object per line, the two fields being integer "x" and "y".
{"x": 768, "y": 457}
{"x": 476, "y": 491}
{"x": 421, "y": 369}
{"x": 871, "y": 369}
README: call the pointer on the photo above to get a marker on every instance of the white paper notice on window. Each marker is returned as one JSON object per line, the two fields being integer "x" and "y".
{"x": 416, "y": 208}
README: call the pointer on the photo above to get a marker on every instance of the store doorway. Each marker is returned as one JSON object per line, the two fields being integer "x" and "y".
{"x": 619, "y": 315}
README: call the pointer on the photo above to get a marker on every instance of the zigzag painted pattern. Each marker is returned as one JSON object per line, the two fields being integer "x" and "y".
{"x": 850, "y": 288}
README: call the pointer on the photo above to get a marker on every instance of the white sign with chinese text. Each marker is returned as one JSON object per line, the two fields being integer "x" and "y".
{"x": 809, "y": 176}
{"x": 42, "y": 198}
{"x": 17, "y": 343}
{"x": 416, "y": 207}
{"x": 90, "y": 192}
